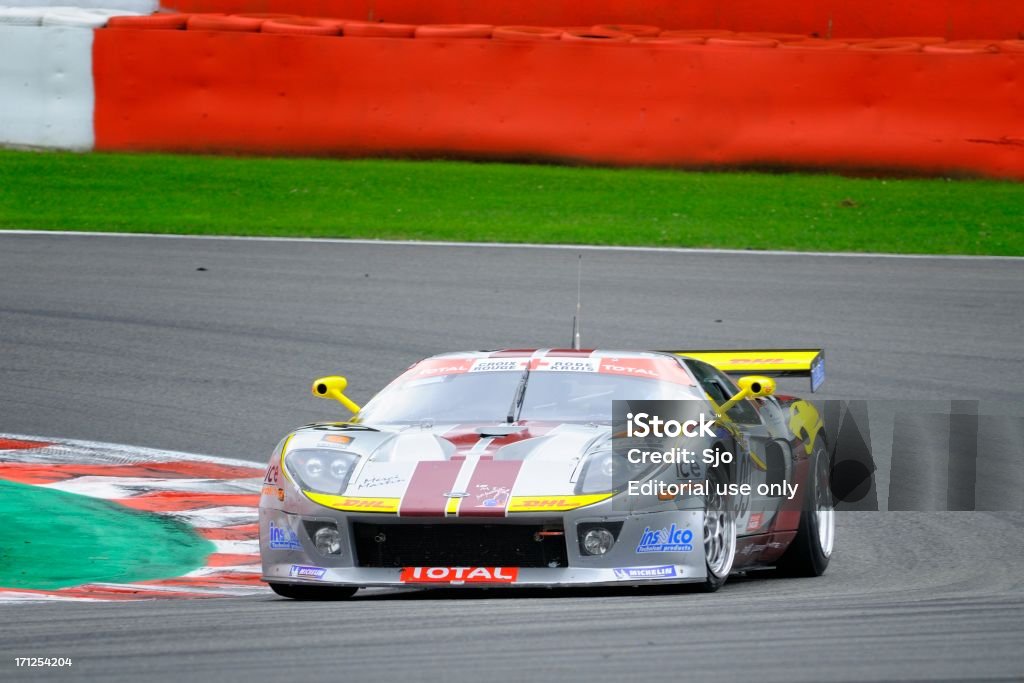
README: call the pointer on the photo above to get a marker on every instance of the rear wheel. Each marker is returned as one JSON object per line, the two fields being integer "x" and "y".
{"x": 719, "y": 533}
{"x": 811, "y": 550}
{"x": 303, "y": 592}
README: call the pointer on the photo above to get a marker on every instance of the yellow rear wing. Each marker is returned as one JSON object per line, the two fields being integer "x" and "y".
{"x": 770, "y": 362}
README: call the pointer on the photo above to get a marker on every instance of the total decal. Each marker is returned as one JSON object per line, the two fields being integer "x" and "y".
{"x": 668, "y": 540}
{"x": 282, "y": 538}
{"x": 459, "y": 575}
{"x": 664, "y": 572}
{"x": 300, "y": 571}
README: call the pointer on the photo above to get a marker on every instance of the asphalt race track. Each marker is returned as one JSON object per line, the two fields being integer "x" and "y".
{"x": 210, "y": 345}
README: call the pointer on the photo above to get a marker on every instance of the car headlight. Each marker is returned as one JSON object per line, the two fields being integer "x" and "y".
{"x": 604, "y": 471}
{"x": 321, "y": 470}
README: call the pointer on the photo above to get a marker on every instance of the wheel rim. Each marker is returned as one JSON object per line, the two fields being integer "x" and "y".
{"x": 823, "y": 507}
{"x": 719, "y": 533}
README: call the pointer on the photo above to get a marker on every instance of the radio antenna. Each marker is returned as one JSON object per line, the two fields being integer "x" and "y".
{"x": 579, "y": 294}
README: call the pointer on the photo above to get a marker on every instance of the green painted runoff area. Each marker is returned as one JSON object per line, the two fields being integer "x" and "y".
{"x": 53, "y": 539}
{"x": 495, "y": 202}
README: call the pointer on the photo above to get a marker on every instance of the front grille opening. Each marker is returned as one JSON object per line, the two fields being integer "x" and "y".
{"x": 459, "y": 545}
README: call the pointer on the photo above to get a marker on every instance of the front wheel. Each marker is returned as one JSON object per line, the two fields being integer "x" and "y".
{"x": 719, "y": 533}
{"x": 811, "y": 549}
{"x": 303, "y": 592}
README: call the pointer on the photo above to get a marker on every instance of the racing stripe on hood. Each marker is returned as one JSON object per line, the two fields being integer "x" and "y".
{"x": 426, "y": 495}
{"x": 490, "y": 488}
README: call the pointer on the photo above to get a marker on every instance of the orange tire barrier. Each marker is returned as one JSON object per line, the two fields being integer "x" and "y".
{"x": 595, "y": 35}
{"x": 265, "y": 15}
{"x": 886, "y": 46}
{"x": 703, "y": 33}
{"x": 198, "y": 91}
{"x": 637, "y": 30}
{"x": 780, "y": 37}
{"x": 815, "y": 44}
{"x": 662, "y": 40}
{"x": 373, "y": 29}
{"x": 952, "y": 19}
{"x": 528, "y": 33}
{"x": 455, "y": 31}
{"x": 964, "y": 47}
{"x": 157, "y": 21}
{"x": 213, "y": 22}
{"x": 742, "y": 41}
{"x": 300, "y": 26}
{"x": 920, "y": 40}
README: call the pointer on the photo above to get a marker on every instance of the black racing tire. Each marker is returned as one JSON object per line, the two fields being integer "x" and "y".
{"x": 304, "y": 592}
{"x": 811, "y": 549}
{"x": 719, "y": 534}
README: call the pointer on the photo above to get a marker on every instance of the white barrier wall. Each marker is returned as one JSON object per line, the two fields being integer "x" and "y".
{"x": 139, "y": 6}
{"x": 47, "y": 86}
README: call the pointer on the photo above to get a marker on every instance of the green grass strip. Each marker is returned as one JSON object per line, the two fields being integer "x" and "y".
{"x": 53, "y": 539}
{"x": 460, "y": 201}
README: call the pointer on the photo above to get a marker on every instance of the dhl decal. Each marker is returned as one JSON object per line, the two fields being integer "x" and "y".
{"x": 353, "y": 504}
{"x": 554, "y": 503}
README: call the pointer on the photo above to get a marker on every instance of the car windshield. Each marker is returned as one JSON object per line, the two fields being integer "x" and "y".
{"x": 587, "y": 396}
{"x": 467, "y": 397}
{"x": 488, "y": 397}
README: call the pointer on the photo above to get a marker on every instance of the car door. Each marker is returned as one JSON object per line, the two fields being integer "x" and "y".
{"x": 762, "y": 458}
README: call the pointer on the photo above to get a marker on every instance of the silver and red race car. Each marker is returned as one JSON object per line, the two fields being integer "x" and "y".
{"x": 500, "y": 468}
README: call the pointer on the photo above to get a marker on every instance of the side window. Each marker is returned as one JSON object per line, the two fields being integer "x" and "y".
{"x": 720, "y": 388}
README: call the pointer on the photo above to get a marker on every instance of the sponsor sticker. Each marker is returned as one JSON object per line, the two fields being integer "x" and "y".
{"x": 566, "y": 365}
{"x": 556, "y": 503}
{"x": 282, "y": 538}
{"x": 648, "y": 368}
{"x": 350, "y": 503}
{"x": 500, "y": 365}
{"x": 336, "y": 440}
{"x": 437, "y": 367}
{"x": 666, "y": 540}
{"x": 818, "y": 373}
{"x": 667, "y": 571}
{"x": 755, "y": 521}
{"x": 268, "y": 490}
{"x": 491, "y": 496}
{"x": 459, "y": 575}
{"x": 303, "y": 572}
{"x": 373, "y": 481}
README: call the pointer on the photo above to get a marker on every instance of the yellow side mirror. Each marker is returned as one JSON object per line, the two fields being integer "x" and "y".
{"x": 334, "y": 387}
{"x": 756, "y": 386}
{"x": 751, "y": 386}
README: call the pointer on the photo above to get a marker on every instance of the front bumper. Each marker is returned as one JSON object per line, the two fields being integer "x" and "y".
{"x": 633, "y": 560}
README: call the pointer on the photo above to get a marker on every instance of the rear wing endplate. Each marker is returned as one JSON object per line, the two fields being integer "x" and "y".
{"x": 769, "y": 362}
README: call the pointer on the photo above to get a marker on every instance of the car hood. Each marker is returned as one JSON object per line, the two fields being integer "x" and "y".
{"x": 460, "y": 470}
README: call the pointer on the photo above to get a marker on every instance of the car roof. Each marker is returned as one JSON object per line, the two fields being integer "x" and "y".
{"x": 552, "y": 353}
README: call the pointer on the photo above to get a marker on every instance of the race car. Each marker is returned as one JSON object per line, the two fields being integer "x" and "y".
{"x": 501, "y": 468}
